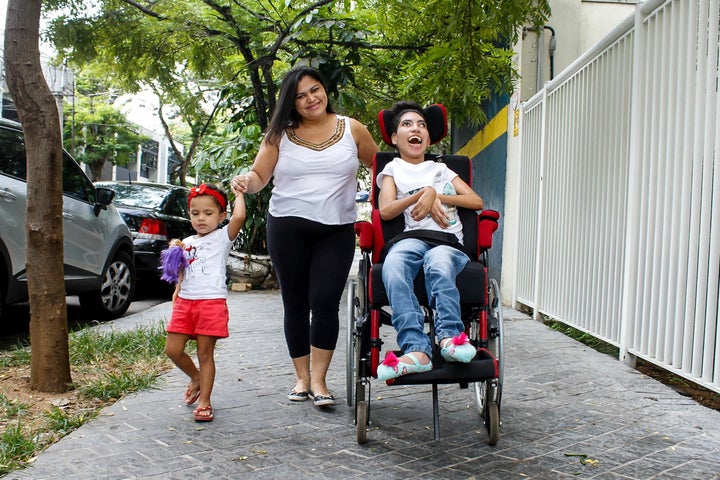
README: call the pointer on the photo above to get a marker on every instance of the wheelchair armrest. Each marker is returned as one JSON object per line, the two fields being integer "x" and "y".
{"x": 487, "y": 224}
{"x": 364, "y": 231}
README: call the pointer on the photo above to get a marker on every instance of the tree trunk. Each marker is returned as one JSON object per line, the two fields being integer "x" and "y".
{"x": 96, "y": 169}
{"x": 36, "y": 107}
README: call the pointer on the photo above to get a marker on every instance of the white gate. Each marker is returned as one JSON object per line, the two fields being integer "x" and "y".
{"x": 619, "y": 233}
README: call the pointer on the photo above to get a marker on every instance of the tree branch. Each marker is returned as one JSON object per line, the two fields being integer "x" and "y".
{"x": 145, "y": 10}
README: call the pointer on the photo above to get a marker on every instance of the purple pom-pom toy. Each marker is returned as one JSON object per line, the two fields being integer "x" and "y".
{"x": 173, "y": 262}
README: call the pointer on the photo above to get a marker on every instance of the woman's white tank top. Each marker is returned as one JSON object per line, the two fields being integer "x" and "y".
{"x": 317, "y": 182}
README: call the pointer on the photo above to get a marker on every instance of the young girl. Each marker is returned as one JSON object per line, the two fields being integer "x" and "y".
{"x": 199, "y": 302}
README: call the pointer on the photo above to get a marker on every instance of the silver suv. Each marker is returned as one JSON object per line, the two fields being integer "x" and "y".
{"x": 99, "y": 265}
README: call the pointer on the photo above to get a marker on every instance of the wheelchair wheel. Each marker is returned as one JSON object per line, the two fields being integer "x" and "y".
{"x": 486, "y": 397}
{"x": 350, "y": 359}
{"x": 492, "y": 423}
{"x": 496, "y": 342}
{"x": 488, "y": 393}
{"x": 362, "y": 421}
{"x": 481, "y": 397}
{"x": 357, "y": 329}
{"x": 495, "y": 346}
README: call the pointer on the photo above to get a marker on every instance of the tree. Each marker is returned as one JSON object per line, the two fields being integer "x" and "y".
{"x": 50, "y": 362}
{"x": 98, "y": 132}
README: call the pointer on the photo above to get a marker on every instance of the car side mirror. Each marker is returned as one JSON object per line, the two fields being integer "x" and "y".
{"x": 103, "y": 198}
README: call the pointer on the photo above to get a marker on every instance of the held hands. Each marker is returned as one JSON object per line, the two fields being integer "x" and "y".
{"x": 240, "y": 184}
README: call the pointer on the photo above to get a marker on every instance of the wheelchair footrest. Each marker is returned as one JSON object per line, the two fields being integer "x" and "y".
{"x": 484, "y": 367}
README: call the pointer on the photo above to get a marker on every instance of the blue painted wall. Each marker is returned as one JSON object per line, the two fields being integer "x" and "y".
{"x": 489, "y": 171}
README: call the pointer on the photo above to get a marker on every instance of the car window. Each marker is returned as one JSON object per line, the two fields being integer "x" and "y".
{"x": 75, "y": 183}
{"x": 177, "y": 204}
{"x": 12, "y": 154}
{"x": 132, "y": 195}
{"x": 14, "y": 163}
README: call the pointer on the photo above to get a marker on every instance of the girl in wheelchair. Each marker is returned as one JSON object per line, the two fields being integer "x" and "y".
{"x": 427, "y": 194}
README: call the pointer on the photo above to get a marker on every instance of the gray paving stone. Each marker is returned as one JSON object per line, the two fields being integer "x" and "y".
{"x": 560, "y": 400}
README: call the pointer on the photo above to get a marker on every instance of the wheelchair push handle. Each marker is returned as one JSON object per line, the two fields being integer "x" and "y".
{"x": 364, "y": 232}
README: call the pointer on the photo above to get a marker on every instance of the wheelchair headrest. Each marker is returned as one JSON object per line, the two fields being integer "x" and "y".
{"x": 435, "y": 116}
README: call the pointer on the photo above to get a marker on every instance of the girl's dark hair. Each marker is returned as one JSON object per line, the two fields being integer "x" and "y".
{"x": 285, "y": 114}
{"x": 401, "y": 107}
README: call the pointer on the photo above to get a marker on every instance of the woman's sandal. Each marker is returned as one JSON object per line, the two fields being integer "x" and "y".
{"x": 322, "y": 400}
{"x": 294, "y": 396}
{"x": 457, "y": 349}
{"x": 392, "y": 367}
{"x": 191, "y": 394}
{"x": 203, "y": 414}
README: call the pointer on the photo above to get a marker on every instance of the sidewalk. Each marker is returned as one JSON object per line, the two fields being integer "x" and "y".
{"x": 567, "y": 412}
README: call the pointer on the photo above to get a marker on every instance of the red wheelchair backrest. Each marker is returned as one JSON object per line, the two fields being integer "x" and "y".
{"x": 435, "y": 116}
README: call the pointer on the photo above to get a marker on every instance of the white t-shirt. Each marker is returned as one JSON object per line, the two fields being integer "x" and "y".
{"x": 317, "y": 182}
{"x": 204, "y": 278}
{"x": 410, "y": 177}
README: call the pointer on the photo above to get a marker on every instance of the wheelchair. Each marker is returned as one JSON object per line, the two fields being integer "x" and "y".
{"x": 368, "y": 307}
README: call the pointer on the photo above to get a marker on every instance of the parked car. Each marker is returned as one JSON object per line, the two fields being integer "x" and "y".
{"x": 156, "y": 213}
{"x": 98, "y": 250}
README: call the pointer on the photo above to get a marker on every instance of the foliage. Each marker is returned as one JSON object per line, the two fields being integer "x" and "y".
{"x": 463, "y": 56}
{"x": 582, "y": 337}
{"x": 17, "y": 355}
{"x": 61, "y": 423}
{"x": 96, "y": 131}
{"x": 9, "y": 408}
{"x": 15, "y": 447}
{"x": 218, "y": 62}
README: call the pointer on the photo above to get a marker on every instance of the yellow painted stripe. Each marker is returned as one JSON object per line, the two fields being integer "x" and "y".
{"x": 495, "y": 127}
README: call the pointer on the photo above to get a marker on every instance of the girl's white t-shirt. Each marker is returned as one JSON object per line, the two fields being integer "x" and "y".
{"x": 205, "y": 276}
{"x": 411, "y": 177}
{"x": 317, "y": 182}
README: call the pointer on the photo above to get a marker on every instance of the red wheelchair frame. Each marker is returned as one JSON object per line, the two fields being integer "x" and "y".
{"x": 480, "y": 307}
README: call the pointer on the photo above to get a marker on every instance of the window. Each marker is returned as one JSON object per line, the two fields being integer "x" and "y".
{"x": 75, "y": 183}
{"x": 12, "y": 154}
{"x": 177, "y": 204}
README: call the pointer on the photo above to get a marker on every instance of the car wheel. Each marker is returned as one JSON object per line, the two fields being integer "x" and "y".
{"x": 116, "y": 292}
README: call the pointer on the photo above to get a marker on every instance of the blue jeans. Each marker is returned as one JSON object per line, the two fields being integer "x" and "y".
{"x": 441, "y": 265}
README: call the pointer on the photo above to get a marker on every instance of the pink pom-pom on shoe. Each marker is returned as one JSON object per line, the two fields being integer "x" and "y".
{"x": 173, "y": 261}
{"x": 390, "y": 360}
{"x": 460, "y": 339}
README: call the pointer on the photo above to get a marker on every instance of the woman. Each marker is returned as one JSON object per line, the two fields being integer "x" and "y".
{"x": 427, "y": 194}
{"x": 312, "y": 153}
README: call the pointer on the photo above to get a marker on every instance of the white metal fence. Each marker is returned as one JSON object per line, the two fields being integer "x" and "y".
{"x": 620, "y": 191}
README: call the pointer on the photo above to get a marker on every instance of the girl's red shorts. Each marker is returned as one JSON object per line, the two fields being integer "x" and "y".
{"x": 200, "y": 317}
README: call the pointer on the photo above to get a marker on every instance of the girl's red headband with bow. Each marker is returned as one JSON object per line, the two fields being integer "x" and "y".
{"x": 205, "y": 189}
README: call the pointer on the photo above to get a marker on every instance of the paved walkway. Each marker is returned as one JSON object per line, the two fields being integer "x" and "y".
{"x": 568, "y": 412}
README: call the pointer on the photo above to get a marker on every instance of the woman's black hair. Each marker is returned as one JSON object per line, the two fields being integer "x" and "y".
{"x": 399, "y": 108}
{"x": 285, "y": 114}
